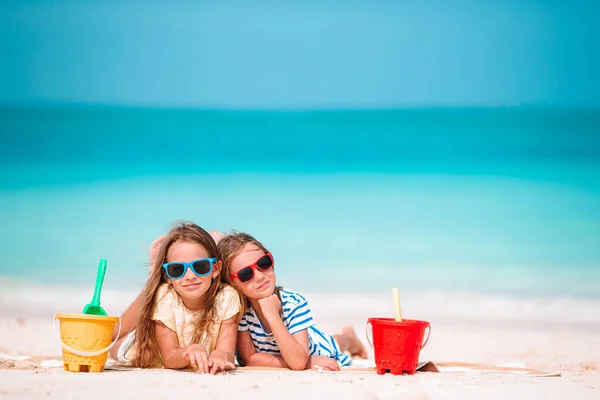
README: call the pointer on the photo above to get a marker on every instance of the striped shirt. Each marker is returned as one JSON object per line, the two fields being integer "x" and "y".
{"x": 296, "y": 317}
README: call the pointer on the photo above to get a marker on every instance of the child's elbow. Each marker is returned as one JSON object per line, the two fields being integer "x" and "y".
{"x": 175, "y": 364}
{"x": 171, "y": 365}
{"x": 299, "y": 364}
{"x": 245, "y": 360}
{"x": 297, "y": 367}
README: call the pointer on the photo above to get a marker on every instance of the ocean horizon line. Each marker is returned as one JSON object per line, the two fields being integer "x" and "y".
{"x": 75, "y": 105}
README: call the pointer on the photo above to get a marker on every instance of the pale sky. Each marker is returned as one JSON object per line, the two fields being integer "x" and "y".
{"x": 301, "y": 54}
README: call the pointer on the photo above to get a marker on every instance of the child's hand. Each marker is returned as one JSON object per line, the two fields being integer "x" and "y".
{"x": 328, "y": 364}
{"x": 218, "y": 362}
{"x": 270, "y": 306}
{"x": 154, "y": 248}
{"x": 198, "y": 357}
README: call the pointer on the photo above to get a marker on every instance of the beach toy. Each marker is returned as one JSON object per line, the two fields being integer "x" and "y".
{"x": 94, "y": 307}
{"x": 397, "y": 309}
{"x": 85, "y": 340}
{"x": 397, "y": 342}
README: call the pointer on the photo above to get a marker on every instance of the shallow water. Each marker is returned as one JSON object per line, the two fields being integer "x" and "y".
{"x": 495, "y": 201}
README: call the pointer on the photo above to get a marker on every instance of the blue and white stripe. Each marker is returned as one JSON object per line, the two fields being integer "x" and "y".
{"x": 296, "y": 317}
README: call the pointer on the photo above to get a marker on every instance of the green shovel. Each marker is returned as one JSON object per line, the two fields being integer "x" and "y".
{"x": 94, "y": 307}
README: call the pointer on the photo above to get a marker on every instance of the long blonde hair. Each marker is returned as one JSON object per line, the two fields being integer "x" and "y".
{"x": 147, "y": 352}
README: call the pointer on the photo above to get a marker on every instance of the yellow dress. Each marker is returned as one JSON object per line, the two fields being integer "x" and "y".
{"x": 170, "y": 310}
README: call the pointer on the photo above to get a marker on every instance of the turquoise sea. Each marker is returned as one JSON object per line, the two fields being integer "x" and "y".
{"x": 500, "y": 200}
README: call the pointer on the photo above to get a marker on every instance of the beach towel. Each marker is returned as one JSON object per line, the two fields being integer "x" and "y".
{"x": 359, "y": 366}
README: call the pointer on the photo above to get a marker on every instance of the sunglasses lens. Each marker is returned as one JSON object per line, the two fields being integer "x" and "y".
{"x": 175, "y": 270}
{"x": 202, "y": 267}
{"x": 245, "y": 274}
{"x": 265, "y": 262}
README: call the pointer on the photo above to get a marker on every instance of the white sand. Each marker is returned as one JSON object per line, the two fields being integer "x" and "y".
{"x": 559, "y": 335}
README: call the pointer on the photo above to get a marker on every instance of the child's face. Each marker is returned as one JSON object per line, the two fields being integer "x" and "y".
{"x": 262, "y": 283}
{"x": 191, "y": 286}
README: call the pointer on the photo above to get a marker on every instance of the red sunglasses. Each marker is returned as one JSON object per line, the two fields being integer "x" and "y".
{"x": 245, "y": 274}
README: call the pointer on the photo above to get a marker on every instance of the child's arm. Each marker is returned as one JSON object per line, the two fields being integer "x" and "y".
{"x": 251, "y": 358}
{"x": 129, "y": 318}
{"x": 293, "y": 348}
{"x": 221, "y": 358}
{"x": 175, "y": 357}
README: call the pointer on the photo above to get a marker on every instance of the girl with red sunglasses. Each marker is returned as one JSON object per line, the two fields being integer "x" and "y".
{"x": 277, "y": 328}
{"x": 187, "y": 315}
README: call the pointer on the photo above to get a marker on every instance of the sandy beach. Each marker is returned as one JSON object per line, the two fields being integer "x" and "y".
{"x": 548, "y": 335}
{"x": 450, "y": 150}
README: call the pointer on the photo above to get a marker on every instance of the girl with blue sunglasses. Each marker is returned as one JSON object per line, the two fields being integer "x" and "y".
{"x": 187, "y": 315}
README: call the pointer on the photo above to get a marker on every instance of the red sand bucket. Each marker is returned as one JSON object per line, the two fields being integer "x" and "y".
{"x": 397, "y": 344}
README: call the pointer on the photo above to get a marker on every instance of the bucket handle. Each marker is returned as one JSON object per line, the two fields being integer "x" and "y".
{"x": 427, "y": 338}
{"x": 367, "y": 333}
{"x": 84, "y": 353}
{"x": 371, "y": 342}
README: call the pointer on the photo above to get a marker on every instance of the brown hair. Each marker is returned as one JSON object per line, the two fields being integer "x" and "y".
{"x": 145, "y": 335}
{"x": 231, "y": 246}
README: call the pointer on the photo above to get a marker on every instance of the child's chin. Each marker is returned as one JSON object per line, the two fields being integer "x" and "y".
{"x": 262, "y": 294}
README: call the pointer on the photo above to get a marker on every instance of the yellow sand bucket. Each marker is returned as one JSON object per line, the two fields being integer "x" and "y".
{"x": 85, "y": 340}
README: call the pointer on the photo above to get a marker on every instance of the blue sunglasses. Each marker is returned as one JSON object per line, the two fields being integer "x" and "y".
{"x": 201, "y": 267}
